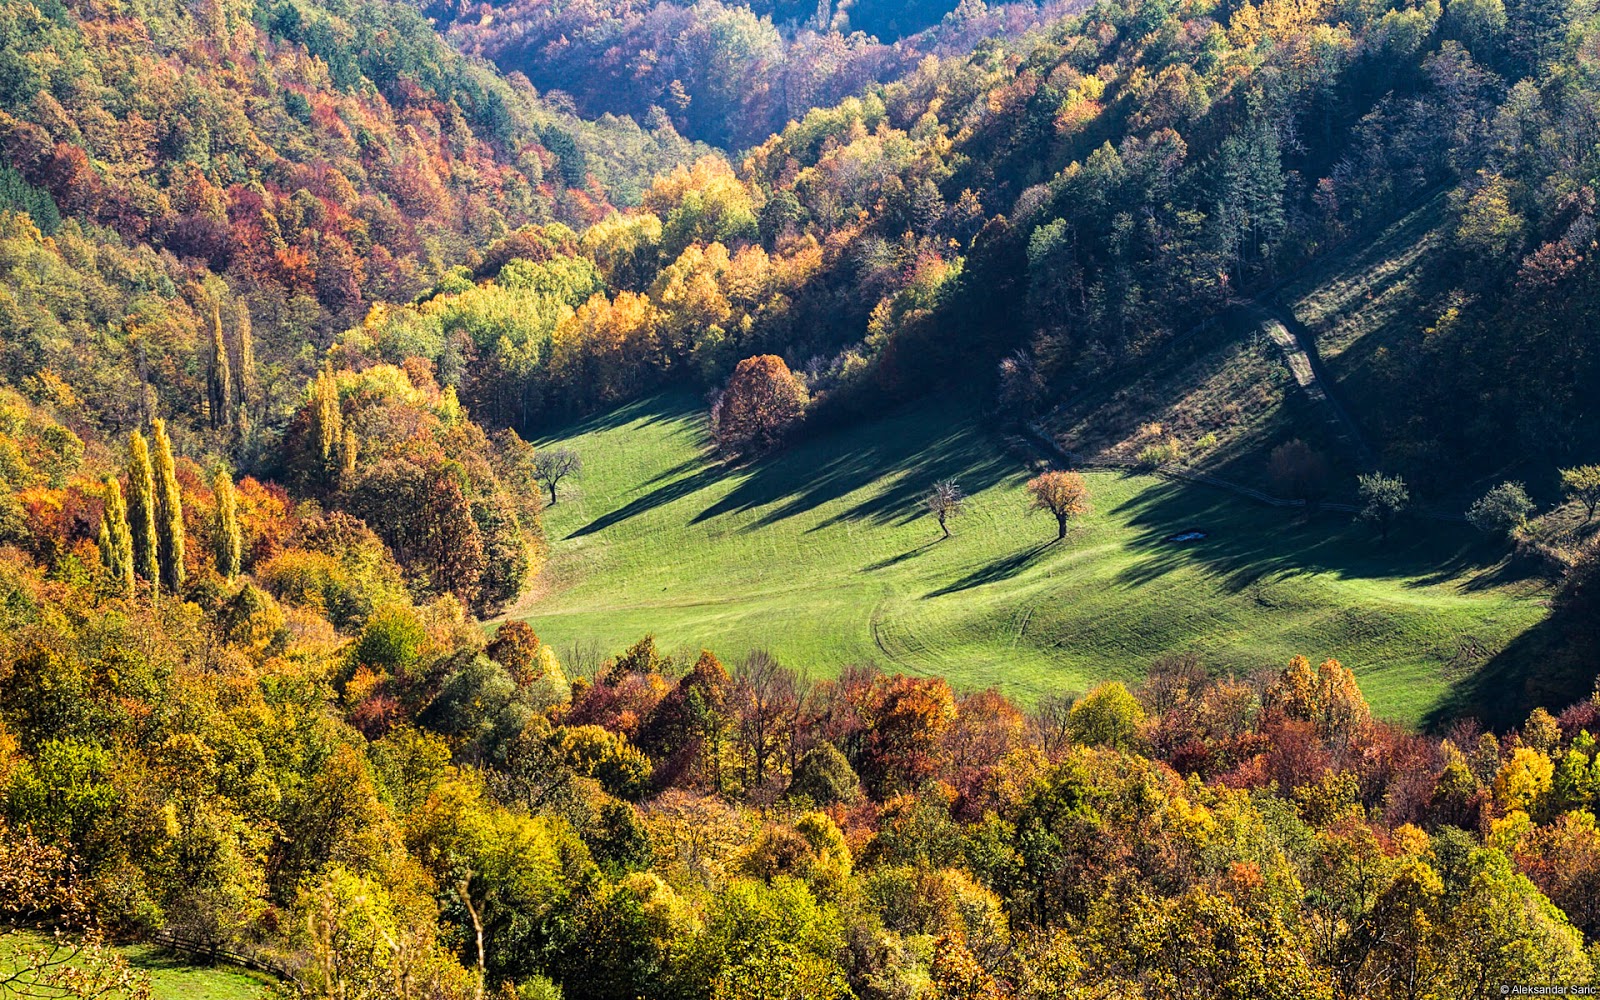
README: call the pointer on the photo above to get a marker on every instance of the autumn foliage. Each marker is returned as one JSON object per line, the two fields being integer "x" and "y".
{"x": 762, "y": 402}
{"x": 1063, "y": 495}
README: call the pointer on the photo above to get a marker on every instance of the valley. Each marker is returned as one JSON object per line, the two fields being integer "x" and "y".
{"x": 823, "y": 556}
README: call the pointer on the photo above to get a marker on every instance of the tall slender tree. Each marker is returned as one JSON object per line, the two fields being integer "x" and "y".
{"x": 116, "y": 546}
{"x": 244, "y": 371}
{"x": 142, "y": 508}
{"x": 219, "y": 381}
{"x": 349, "y": 451}
{"x": 227, "y": 538}
{"x": 327, "y": 426}
{"x": 168, "y": 509}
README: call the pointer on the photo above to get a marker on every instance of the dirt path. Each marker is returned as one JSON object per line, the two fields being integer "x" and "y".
{"x": 1299, "y": 354}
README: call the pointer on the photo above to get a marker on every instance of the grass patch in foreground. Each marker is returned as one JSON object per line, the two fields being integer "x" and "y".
{"x": 822, "y": 554}
{"x": 171, "y": 977}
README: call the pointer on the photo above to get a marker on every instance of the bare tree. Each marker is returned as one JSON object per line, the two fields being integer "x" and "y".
{"x": 1049, "y": 721}
{"x": 766, "y": 700}
{"x": 944, "y": 501}
{"x": 555, "y": 464}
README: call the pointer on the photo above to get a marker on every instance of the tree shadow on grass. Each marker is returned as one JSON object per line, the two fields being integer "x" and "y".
{"x": 902, "y": 557}
{"x": 903, "y": 454}
{"x": 1000, "y": 569}
{"x": 1247, "y": 542}
{"x": 1544, "y": 666}
{"x": 657, "y": 497}
{"x": 659, "y": 408}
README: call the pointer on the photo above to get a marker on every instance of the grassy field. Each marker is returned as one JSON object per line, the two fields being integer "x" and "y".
{"x": 173, "y": 978}
{"x": 822, "y": 555}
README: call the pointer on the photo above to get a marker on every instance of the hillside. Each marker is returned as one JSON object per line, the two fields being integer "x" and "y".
{"x": 820, "y": 555}
{"x": 304, "y": 304}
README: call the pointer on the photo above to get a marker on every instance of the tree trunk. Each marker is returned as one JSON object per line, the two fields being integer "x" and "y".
{"x": 552, "y": 494}
{"x": 1061, "y": 526}
{"x": 477, "y": 926}
{"x": 942, "y": 526}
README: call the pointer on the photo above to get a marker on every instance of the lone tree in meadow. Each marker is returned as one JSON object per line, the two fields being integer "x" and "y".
{"x": 555, "y": 464}
{"x": 1383, "y": 500}
{"x": 762, "y": 401}
{"x": 1583, "y": 485}
{"x": 1063, "y": 494}
{"x": 945, "y": 501}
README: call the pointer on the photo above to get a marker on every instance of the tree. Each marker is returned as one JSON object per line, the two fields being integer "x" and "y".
{"x": 945, "y": 500}
{"x": 169, "y": 510}
{"x": 1523, "y": 780}
{"x": 219, "y": 376}
{"x": 75, "y": 962}
{"x": 1107, "y": 716}
{"x": 555, "y": 464}
{"x": 957, "y": 975}
{"x": 1063, "y": 494}
{"x": 244, "y": 382}
{"x": 1583, "y": 485}
{"x": 226, "y": 537}
{"x": 515, "y": 646}
{"x": 1501, "y": 510}
{"x": 906, "y": 719}
{"x": 142, "y": 508}
{"x": 450, "y": 544}
{"x": 327, "y": 426}
{"x": 762, "y": 402}
{"x": 766, "y": 701}
{"x": 1383, "y": 499}
{"x": 116, "y": 549}
{"x": 825, "y": 777}
{"x": 1299, "y": 471}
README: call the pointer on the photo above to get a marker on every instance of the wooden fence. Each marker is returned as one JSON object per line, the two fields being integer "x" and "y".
{"x": 213, "y": 953}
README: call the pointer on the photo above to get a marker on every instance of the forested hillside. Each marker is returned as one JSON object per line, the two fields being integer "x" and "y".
{"x": 287, "y": 288}
{"x": 1064, "y": 204}
{"x": 263, "y": 174}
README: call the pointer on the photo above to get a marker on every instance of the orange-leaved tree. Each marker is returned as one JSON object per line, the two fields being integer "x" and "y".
{"x": 1063, "y": 494}
{"x": 762, "y": 401}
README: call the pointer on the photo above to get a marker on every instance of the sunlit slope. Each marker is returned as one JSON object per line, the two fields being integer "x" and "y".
{"x": 822, "y": 555}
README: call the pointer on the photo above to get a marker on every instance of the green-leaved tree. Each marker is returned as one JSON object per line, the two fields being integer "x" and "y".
{"x": 142, "y": 508}
{"x": 227, "y": 538}
{"x": 168, "y": 509}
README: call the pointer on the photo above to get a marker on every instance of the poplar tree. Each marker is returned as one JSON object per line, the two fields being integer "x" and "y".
{"x": 349, "y": 449}
{"x": 229, "y": 543}
{"x": 142, "y": 508}
{"x": 244, "y": 381}
{"x": 169, "y": 510}
{"x": 116, "y": 544}
{"x": 327, "y": 424}
{"x": 219, "y": 387}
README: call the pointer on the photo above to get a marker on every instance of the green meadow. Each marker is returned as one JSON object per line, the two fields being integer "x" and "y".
{"x": 823, "y": 555}
{"x": 171, "y": 977}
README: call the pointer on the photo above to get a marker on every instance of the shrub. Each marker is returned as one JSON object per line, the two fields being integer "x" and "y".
{"x": 1502, "y": 510}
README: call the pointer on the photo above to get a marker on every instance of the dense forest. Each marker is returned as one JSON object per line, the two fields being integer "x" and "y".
{"x": 287, "y": 288}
